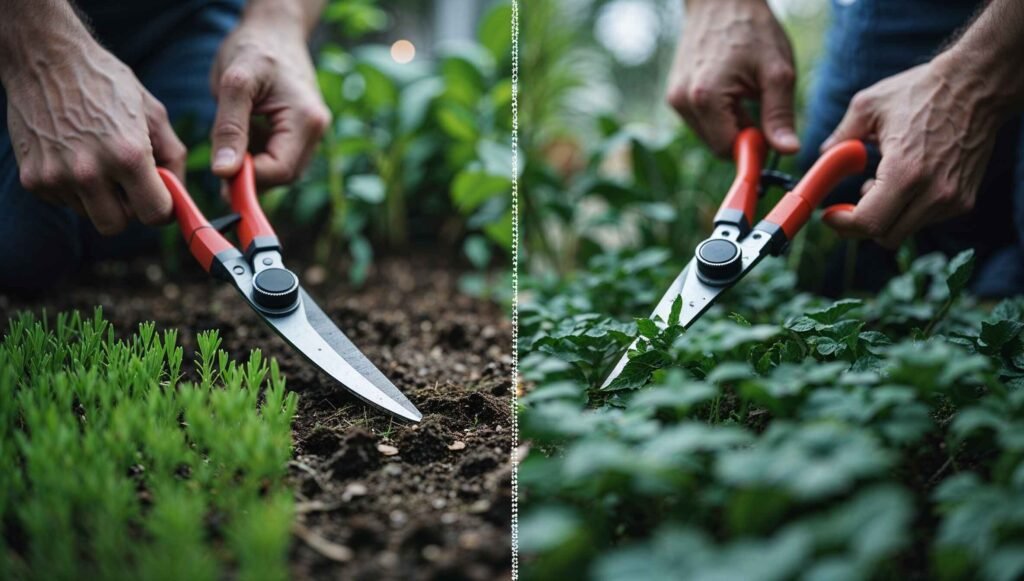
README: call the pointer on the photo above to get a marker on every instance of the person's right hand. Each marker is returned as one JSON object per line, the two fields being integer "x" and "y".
{"x": 89, "y": 136}
{"x": 731, "y": 50}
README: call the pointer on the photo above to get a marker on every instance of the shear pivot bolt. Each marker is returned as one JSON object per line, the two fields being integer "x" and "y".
{"x": 718, "y": 261}
{"x": 276, "y": 290}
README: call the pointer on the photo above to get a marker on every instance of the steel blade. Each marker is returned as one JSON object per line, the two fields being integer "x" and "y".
{"x": 312, "y": 333}
{"x": 663, "y": 310}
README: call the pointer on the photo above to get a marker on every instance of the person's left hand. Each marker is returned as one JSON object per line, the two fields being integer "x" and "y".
{"x": 935, "y": 128}
{"x": 262, "y": 69}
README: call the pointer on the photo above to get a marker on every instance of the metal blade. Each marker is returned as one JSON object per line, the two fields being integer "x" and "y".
{"x": 663, "y": 310}
{"x": 697, "y": 295}
{"x": 312, "y": 333}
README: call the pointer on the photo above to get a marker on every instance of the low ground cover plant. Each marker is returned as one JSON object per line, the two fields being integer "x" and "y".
{"x": 114, "y": 466}
{"x": 782, "y": 436}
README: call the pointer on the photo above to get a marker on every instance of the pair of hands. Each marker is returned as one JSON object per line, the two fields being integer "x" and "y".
{"x": 933, "y": 126}
{"x": 89, "y": 136}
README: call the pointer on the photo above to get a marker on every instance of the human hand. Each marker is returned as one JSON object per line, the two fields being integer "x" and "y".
{"x": 88, "y": 135}
{"x": 731, "y": 50}
{"x": 935, "y": 129}
{"x": 264, "y": 68}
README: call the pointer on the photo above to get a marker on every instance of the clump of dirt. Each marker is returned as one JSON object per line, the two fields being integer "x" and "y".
{"x": 389, "y": 500}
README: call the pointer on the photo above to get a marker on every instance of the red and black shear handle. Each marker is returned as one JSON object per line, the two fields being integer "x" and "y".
{"x": 794, "y": 209}
{"x": 206, "y": 244}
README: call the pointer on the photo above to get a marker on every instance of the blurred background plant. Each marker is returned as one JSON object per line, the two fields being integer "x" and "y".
{"x": 418, "y": 152}
{"x": 608, "y": 165}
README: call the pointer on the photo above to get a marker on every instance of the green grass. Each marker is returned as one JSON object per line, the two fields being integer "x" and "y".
{"x": 112, "y": 466}
{"x": 783, "y": 436}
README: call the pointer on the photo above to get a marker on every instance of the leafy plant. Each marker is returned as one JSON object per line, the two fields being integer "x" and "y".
{"x": 113, "y": 466}
{"x": 781, "y": 436}
{"x": 417, "y": 149}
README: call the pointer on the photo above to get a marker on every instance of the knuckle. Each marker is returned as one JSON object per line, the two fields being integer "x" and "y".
{"x": 130, "y": 155}
{"x": 700, "y": 95}
{"x": 873, "y": 229}
{"x": 236, "y": 79}
{"x": 85, "y": 173}
{"x": 781, "y": 73}
{"x": 678, "y": 98}
{"x": 861, "y": 102}
{"x": 30, "y": 179}
{"x": 317, "y": 119}
{"x": 229, "y": 129}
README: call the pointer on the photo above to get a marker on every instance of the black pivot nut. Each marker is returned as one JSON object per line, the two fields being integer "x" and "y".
{"x": 719, "y": 261}
{"x": 276, "y": 290}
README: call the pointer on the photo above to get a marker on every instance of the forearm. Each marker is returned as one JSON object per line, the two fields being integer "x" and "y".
{"x": 33, "y": 32}
{"x": 989, "y": 53}
{"x": 300, "y": 15}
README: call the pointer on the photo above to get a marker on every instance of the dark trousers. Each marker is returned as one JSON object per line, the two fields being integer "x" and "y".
{"x": 171, "y": 52}
{"x": 868, "y": 41}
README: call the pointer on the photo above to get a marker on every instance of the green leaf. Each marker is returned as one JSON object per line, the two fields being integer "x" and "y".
{"x": 472, "y": 187}
{"x": 677, "y": 307}
{"x": 958, "y": 272}
{"x": 366, "y": 187}
{"x": 647, "y": 328}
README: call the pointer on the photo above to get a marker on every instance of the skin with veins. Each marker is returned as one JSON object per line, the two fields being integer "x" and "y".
{"x": 89, "y": 136}
{"x": 732, "y": 50}
{"x": 935, "y": 124}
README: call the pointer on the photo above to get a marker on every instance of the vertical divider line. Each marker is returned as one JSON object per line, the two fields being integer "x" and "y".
{"x": 515, "y": 289}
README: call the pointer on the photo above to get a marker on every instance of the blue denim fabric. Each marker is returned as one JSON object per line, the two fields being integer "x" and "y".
{"x": 170, "y": 46}
{"x": 868, "y": 41}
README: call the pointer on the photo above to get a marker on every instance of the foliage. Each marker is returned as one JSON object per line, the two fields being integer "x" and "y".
{"x": 113, "y": 467}
{"x": 781, "y": 436}
{"x": 418, "y": 149}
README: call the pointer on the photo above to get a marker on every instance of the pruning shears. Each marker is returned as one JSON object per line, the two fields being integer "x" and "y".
{"x": 274, "y": 292}
{"x": 734, "y": 248}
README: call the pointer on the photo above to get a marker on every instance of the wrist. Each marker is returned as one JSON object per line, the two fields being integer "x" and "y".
{"x": 289, "y": 18}
{"x": 31, "y": 44}
{"x": 983, "y": 79}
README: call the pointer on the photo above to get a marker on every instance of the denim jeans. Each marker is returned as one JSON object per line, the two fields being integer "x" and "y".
{"x": 171, "y": 51}
{"x": 868, "y": 41}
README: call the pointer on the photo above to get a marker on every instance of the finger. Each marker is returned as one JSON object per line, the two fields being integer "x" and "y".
{"x": 856, "y": 123}
{"x": 293, "y": 139}
{"x": 145, "y": 193}
{"x": 777, "y": 117}
{"x": 879, "y": 207}
{"x": 710, "y": 115}
{"x": 104, "y": 210}
{"x": 916, "y": 215}
{"x": 235, "y": 95}
{"x": 168, "y": 151}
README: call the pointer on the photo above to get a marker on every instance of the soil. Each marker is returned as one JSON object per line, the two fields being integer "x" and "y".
{"x": 376, "y": 498}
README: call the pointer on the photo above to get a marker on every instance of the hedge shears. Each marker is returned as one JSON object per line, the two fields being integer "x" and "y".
{"x": 736, "y": 245}
{"x": 274, "y": 292}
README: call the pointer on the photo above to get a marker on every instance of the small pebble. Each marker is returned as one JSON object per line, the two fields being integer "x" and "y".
{"x": 353, "y": 490}
{"x": 387, "y": 450}
{"x": 398, "y": 517}
{"x": 431, "y": 552}
{"x": 457, "y": 445}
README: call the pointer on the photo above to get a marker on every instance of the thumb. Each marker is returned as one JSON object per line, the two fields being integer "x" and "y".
{"x": 230, "y": 137}
{"x": 856, "y": 123}
{"x": 777, "y": 112}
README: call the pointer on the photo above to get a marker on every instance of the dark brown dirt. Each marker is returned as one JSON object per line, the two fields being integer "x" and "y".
{"x": 376, "y": 499}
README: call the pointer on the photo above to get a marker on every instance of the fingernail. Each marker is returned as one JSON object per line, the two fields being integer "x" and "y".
{"x": 224, "y": 158}
{"x": 786, "y": 139}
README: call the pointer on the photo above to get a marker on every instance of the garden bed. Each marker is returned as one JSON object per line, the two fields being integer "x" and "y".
{"x": 373, "y": 498}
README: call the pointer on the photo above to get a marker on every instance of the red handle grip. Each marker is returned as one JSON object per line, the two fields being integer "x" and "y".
{"x": 794, "y": 209}
{"x": 204, "y": 242}
{"x": 749, "y": 151}
{"x": 253, "y": 225}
